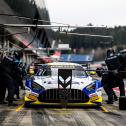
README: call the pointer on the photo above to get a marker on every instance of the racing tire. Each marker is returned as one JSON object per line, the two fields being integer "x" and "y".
{"x": 122, "y": 103}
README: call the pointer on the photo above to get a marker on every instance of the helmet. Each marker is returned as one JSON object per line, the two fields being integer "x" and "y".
{"x": 110, "y": 52}
{"x": 18, "y": 54}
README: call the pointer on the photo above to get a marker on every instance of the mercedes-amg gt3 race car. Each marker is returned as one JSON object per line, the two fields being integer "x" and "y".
{"x": 60, "y": 82}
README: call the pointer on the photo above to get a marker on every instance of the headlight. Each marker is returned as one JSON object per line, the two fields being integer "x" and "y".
{"x": 91, "y": 87}
{"x": 36, "y": 87}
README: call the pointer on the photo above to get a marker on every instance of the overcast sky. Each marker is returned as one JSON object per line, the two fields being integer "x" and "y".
{"x": 83, "y": 12}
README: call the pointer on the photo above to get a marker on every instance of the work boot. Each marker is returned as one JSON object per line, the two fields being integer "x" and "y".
{"x": 17, "y": 97}
{"x": 12, "y": 104}
{"x": 14, "y": 99}
{"x": 3, "y": 102}
{"x": 116, "y": 98}
{"x": 109, "y": 102}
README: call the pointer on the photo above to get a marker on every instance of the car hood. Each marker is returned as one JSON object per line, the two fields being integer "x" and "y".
{"x": 52, "y": 82}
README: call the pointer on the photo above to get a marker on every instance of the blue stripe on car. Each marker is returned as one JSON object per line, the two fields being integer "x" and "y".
{"x": 98, "y": 85}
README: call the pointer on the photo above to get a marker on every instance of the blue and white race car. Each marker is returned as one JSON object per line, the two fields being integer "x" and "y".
{"x": 48, "y": 87}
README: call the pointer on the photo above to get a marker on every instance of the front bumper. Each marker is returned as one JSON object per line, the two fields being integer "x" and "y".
{"x": 95, "y": 102}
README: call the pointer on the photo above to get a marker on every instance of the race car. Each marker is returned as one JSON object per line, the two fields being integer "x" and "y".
{"x": 62, "y": 82}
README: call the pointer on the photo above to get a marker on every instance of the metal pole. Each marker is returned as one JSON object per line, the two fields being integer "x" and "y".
{"x": 8, "y": 47}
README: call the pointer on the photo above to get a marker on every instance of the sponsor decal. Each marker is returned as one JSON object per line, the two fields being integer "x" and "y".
{"x": 32, "y": 97}
{"x": 64, "y": 94}
{"x": 94, "y": 98}
{"x": 63, "y": 66}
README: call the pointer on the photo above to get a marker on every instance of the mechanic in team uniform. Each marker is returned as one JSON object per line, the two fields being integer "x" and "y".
{"x": 2, "y": 84}
{"x": 7, "y": 66}
{"x": 8, "y": 75}
{"x": 112, "y": 77}
{"x": 18, "y": 75}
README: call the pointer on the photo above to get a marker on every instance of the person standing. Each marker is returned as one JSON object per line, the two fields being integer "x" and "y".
{"x": 7, "y": 66}
{"x": 113, "y": 78}
{"x": 8, "y": 70}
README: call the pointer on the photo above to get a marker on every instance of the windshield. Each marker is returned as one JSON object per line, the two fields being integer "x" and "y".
{"x": 78, "y": 73}
{"x": 54, "y": 72}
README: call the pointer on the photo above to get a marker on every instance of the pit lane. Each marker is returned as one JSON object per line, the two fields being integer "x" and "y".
{"x": 109, "y": 115}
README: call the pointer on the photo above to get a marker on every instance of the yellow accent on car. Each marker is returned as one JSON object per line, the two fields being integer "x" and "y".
{"x": 92, "y": 72}
{"x": 90, "y": 103}
{"x": 31, "y": 97}
{"x": 96, "y": 99}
